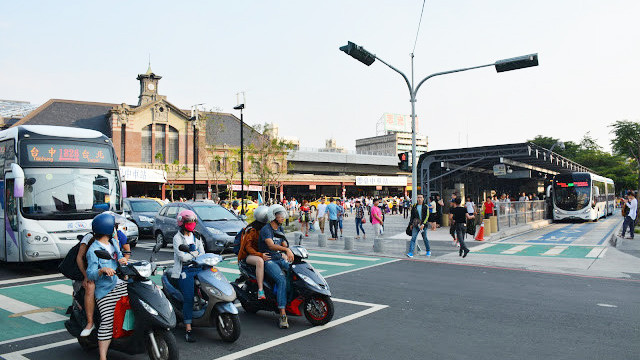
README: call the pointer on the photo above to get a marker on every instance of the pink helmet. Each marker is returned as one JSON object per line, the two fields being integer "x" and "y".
{"x": 185, "y": 216}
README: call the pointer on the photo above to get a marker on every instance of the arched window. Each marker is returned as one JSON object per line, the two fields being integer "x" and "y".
{"x": 218, "y": 165}
{"x": 145, "y": 152}
{"x": 174, "y": 147}
{"x": 160, "y": 137}
{"x": 276, "y": 167}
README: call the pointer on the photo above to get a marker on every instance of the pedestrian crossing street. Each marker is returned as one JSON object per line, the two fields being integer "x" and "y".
{"x": 547, "y": 250}
{"x": 39, "y": 308}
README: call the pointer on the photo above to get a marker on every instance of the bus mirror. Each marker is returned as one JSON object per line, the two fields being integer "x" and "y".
{"x": 18, "y": 185}
{"x": 549, "y": 191}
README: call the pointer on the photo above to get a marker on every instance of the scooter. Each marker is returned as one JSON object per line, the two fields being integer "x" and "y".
{"x": 308, "y": 292}
{"x": 213, "y": 300}
{"x": 153, "y": 313}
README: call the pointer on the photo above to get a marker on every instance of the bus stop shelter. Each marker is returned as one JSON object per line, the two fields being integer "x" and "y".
{"x": 485, "y": 170}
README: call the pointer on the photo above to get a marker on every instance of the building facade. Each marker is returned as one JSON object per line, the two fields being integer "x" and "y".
{"x": 392, "y": 143}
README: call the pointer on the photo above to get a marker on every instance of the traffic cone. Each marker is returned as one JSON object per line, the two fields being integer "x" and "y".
{"x": 480, "y": 236}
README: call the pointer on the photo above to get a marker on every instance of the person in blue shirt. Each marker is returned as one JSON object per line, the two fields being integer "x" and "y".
{"x": 108, "y": 287}
{"x": 341, "y": 212}
{"x": 332, "y": 209}
{"x": 271, "y": 241}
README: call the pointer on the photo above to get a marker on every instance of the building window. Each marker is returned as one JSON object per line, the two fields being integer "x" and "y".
{"x": 146, "y": 155}
{"x": 218, "y": 165}
{"x": 174, "y": 147}
{"x": 123, "y": 142}
{"x": 276, "y": 167}
{"x": 160, "y": 137}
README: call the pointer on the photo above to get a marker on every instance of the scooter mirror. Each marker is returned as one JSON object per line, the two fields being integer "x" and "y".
{"x": 183, "y": 248}
{"x": 102, "y": 254}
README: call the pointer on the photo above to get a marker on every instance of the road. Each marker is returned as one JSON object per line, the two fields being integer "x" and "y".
{"x": 389, "y": 307}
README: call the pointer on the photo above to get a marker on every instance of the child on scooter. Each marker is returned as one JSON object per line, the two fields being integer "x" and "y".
{"x": 249, "y": 247}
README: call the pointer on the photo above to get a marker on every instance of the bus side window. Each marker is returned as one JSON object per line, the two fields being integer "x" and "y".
{"x": 12, "y": 208}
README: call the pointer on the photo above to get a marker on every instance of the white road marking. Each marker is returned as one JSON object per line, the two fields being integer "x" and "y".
{"x": 556, "y": 250}
{"x": 602, "y": 253}
{"x": 269, "y": 344}
{"x": 362, "y": 268}
{"x": 515, "y": 249}
{"x": 17, "y": 307}
{"x": 607, "y": 305}
{"x": 344, "y": 257}
{"x": 595, "y": 252}
{"x": 481, "y": 247}
{"x": 31, "y": 336}
{"x": 321, "y": 262}
{"x": 19, "y": 355}
{"x": 30, "y": 278}
{"x": 61, "y": 288}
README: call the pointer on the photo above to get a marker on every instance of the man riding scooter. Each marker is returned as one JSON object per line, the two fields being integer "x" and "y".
{"x": 272, "y": 245}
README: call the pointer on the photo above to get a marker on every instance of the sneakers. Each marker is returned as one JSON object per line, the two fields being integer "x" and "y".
{"x": 261, "y": 295}
{"x": 428, "y": 253}
{"x": 189, "y": 337}
{"x": 283, "y": 323}
{"x": 410, "y": 255}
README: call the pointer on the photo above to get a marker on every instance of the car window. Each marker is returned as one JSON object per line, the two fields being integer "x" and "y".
{"x": 213, "y": 213}
{"x": 126, "y": 207}
{"x": 163, "y": 211}
{"x": 145, "y": 206}
{"x": 172, "y": 212}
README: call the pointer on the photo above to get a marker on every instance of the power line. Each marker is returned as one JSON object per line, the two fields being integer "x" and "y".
{"x": 418, "y": 31}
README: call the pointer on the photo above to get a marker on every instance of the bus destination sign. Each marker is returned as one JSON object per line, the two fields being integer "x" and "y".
{"x": 68, "y": 153}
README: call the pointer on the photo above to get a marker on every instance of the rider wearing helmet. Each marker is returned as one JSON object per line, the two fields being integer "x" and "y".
{"x": 234, "y": 207}
{"x": 249, "y": 246}
{"x": 108, "y": 287}
{"x": 184, "y": 274}
{"x": 271, "y": 242}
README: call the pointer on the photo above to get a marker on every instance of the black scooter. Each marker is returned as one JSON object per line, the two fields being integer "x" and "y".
{"x": 308, "y": 292}
{"x": 154, "y": 315}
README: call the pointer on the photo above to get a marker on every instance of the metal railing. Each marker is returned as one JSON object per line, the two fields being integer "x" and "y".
{"x": 520, "y": 212}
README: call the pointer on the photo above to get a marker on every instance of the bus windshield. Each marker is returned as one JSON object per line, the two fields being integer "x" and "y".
{"x": 572, "y": 191}
{"x": 54, "y": 194}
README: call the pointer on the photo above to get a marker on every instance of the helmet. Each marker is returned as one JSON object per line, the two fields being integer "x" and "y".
{"x": 273, "y": 210}
{"x": 103, "y": 224}
{"x": 235, "y": 203}
{"x": 185, "y": 216}
{"x": 260, "y": 213}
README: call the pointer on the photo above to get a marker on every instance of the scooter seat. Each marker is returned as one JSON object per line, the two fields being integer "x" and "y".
{"x": 174, "y": 282}
{"x": 247, "y": 268}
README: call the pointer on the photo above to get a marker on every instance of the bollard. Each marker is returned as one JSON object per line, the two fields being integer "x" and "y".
{"x": 322, "y": 240}
{"x": 445, "y": 220}
{"x": 297, "y": 237}
{"x": 348, "y": 242}
{"x": 378, "y": 245}
{"x": 494, "y": 224}
{"x": 487, "y": 227}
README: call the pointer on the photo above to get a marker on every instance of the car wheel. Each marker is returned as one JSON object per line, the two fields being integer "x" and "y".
{"x": 161, "y": 240}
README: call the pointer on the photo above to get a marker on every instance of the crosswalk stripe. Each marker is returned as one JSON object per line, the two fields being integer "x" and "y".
{"x": 61, "y": 288}
{"x": 18, "y": 307}
{"x": 321, "y": 262}
{"x": 515, "y": 249}
{"x": 594, "y": 252}
{"x": 344, "y": 257}
{"x": 556, "y": 250}
{"x": 481, "y": 247}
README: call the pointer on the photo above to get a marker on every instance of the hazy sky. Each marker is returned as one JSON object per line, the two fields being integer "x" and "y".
{"x": 284, "y": 55}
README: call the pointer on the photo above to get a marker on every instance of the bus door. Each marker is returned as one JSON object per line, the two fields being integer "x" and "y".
{"x": 10, "y": 246}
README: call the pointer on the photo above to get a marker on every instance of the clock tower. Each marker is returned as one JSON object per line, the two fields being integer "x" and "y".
{"x": 148, "y": 87}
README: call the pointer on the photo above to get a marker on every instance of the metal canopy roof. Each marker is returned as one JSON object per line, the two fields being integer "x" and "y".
{"x": 527, "y": 156}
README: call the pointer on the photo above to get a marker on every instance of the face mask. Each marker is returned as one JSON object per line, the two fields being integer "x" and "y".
{"x": 190, "y": 226}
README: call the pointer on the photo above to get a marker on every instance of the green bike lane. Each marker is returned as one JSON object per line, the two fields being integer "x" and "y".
{"x": 39, "y": 308}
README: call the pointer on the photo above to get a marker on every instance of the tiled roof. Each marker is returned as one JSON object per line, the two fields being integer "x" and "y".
{"x": 224, "y": 129}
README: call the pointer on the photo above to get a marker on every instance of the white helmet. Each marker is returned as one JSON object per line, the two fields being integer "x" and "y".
{"x": 273, "y": 210}
{"x": 260, "y": 213}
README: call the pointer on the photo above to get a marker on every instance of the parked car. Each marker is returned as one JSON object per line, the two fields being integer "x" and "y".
{"x": 314, "y": 204}
{"x": 217, "y": 225}
{"x": 142, "y": 212}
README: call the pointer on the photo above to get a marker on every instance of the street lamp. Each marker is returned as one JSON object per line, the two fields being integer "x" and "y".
{"x": 241, "y": 107}
{"x": 359, "y": 53}
{"x": 194, "y": 119}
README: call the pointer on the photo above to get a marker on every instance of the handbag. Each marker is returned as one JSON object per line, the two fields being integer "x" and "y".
{"x": 119, "y": 316}
{"x": 409, "y": 230}
{"x": 364, "y": 220}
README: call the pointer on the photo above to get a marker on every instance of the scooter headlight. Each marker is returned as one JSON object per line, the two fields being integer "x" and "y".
{"x": 148, "y": 307}
{"x": 143, "y": 270}
{"x": 308, "y": 280}
{"x": 210, "y": 260}
{"x": 212, "y": 290}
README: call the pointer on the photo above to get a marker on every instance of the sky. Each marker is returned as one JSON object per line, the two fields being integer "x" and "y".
{"x": 284, "y": 55}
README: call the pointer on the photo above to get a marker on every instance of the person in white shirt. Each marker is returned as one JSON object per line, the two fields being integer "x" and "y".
{"x": 630, "y": 219}
{"x": 322, "y": 214}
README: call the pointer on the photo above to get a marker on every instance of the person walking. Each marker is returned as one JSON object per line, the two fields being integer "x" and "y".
{"x": 452, "y": 228}
{"x": 439, "y": 206}
{"x": 376, "y": 218}
{"x": 332, "y": 210}
{"x": 341, "y": 214}
{"x": 471, "y": 209}
{"x": 360, "y": 219}
{"x": 305, "y": 217}
{"x": 459, "y": 217}
{"x": 322, "y": 214}
{"x": 630, "y": 219}
{"x": 406, "y": 206}
{"x": 419, "y": 218}
{"x": 432, "y": 212}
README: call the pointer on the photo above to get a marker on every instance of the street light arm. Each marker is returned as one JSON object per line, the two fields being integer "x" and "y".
{"x": 406, "y": 79}
{"x": 449, "y": 72}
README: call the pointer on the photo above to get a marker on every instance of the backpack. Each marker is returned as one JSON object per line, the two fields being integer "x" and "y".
{"x": 237, "y": 241}
{"x": 69, "y": 267}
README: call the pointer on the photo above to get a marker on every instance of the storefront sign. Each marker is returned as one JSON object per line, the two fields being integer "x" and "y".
{"x": 235, "y": 187}
{"x": 381, "y": 181}
{"x": 312, "y": 187}
{"x": 142, "y": 175}
{"x": 169, "y": 187}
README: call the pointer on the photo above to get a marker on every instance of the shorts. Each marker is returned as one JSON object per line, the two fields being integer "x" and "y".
{"x": 340, "y": 223}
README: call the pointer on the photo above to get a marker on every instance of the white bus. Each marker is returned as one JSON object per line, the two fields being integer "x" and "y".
{"x": 55, "y": 180}
{"x": 582, "y": 196}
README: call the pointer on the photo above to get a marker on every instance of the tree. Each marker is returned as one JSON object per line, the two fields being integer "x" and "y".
{"x": 173, "y": 170}
{"x": 232, "y": 162}
{"x": 627, "y": 143}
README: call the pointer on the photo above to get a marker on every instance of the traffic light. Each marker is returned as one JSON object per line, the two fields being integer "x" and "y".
{"x": 403, "y": 164}
{"x": 358, "y": 53}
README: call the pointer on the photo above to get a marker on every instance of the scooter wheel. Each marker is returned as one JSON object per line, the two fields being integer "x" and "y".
{"x": 167, "y": 345}
{"x": 228, "y": 326}
{"x": 318, "y": 309}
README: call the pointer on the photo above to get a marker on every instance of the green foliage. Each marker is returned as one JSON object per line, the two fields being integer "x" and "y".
{"x": 173, "y": 170}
